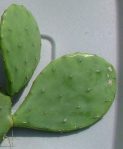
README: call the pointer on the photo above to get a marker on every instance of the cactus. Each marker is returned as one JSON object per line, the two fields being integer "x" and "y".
{"x": 20, "y": 46}
{"x": 5, "y": 115}
{"x": 72, "y": 92}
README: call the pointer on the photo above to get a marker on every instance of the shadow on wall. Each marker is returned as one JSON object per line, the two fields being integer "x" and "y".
{"x": 2, "y": 76}
{"x": 119, "y": 119}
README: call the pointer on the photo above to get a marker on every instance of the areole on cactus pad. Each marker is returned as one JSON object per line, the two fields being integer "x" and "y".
{"x": 72, "y": 92}
{"x": 20, "y": 45}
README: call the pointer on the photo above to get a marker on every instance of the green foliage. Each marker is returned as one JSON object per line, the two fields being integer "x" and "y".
{"x": 5, "y": 115}
{"x": 20, "y": 45}
{"x": 72, "y": 92}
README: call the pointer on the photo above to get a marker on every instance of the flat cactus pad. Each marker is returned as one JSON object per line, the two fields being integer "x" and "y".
{"x": 5, "y": 115}
{"x": 20, "y": 45}
{"x": 72, "y": 92}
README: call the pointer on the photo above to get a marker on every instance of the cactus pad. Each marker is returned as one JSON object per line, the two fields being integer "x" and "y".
{"x": 72, "y": 92}
{"x": 20, "y": 46}
{"x": 5, "y": 115}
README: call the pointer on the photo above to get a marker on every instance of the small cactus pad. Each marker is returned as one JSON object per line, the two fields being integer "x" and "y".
{"x": 72, "y": 92}
{"x": 5, "y": 115}
{"x": 20, "y": 46}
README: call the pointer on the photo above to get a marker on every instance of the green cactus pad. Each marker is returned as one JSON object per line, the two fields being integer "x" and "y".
{"x": 5, "y": 115}
{"x": 20, "y": 46}
{"x": 72, "y": 92}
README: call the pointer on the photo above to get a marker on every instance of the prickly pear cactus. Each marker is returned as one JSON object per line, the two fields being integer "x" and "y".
{"x": 72, "y": 92}
{"x": 5, "y": 115}
{"x": 20, "y": 45}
